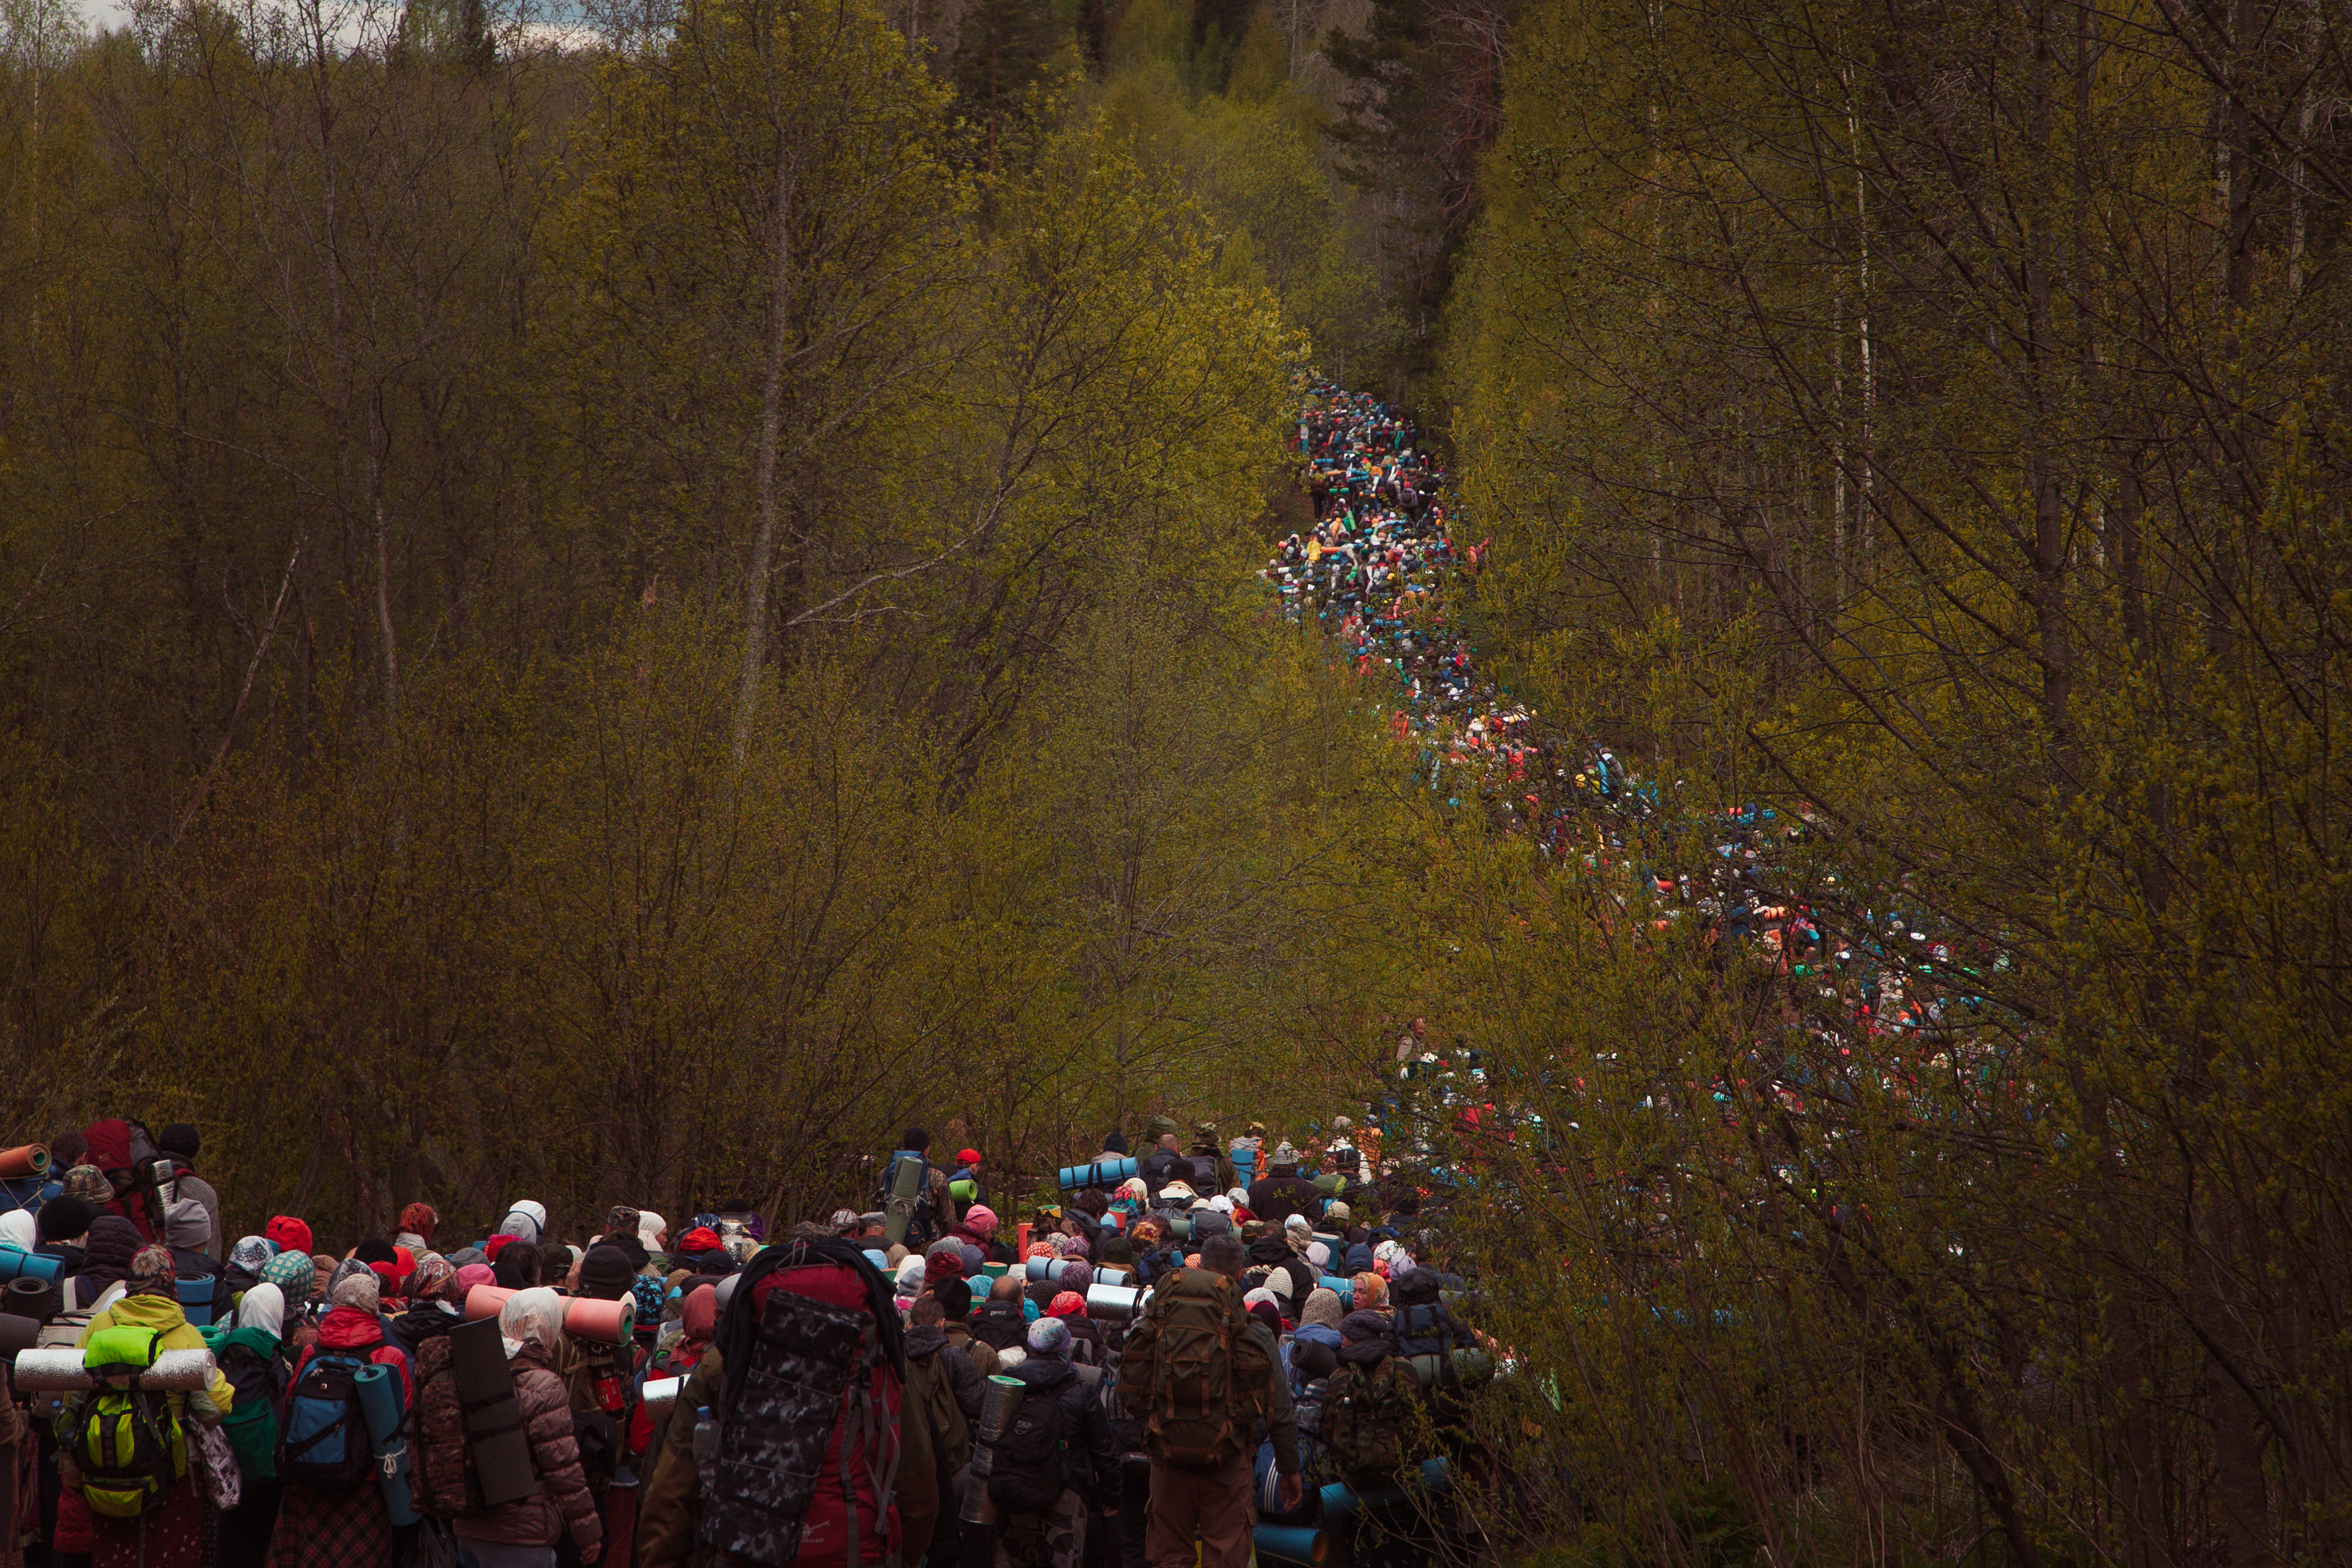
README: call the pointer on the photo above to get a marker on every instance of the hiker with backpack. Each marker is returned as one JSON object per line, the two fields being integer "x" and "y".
{"x": 126, "y": 1452}
{"x": 944, "y": 1388}
{"x": 788, "y": 1445}
{"x": 1056, "y": 1464}
{"x": 203, "y": 1282}
{"x": 1208, "y": 1165}
{"x": 523, "y": 1534}
{"x": 251, "y": 1355}
{"x": 1199, "y": 1372}
{"x": 332, "y": 1513}
{"x": 179, "y": 1144}
{"x": 1282, "y": 1191}
{"x": 932, "y": 1211}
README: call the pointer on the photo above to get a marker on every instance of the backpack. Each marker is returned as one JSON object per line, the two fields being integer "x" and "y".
{"x": 1193, "y": 1372}
{"x": 922, "y": 1220}
{"x": 1366, "y": 1414}
{"x": 442, "y": 1482}
{"x": 947, "y": 1416}
{"x": 323, "y": 1442}
{"x": 124, "y": 1439}
{"x": 808, "y": 1446}
{"x": 1204, "y": 1173}
{"x": 1030, "y": 1464}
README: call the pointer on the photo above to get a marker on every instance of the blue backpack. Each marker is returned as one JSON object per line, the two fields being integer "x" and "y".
{"x": 323, "y": 1442}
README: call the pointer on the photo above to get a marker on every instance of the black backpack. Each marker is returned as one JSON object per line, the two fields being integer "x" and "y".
{"x": 1204, "y": 1173}
{"x": 323, "y": 1442}
{"x": 1030, "y": 1464}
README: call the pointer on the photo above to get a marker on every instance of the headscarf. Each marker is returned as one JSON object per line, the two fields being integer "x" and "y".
{"x": 1372, "y": 1291}
{"x": 532, "y": 1317}
{"x": 420, "y": 1219}
{"x": 88, "y": 1184}
{"x": 699, "y": 1321}
{"x": 252, "y": 1254}
{"x": 291, "y": 1235}
{"x": 434, "y": 1279}
{"x": 1269, "y": 1312}
{"x": 526, "y": 1220}
{"x": 363, "y": 1289}
{"x": 1322, "y": 1307}
{"x": 653, "y": 1231}
{"x": 295, "y": 1278}
{"x": 1049, "y": 1336}
{"x": 349, "y": 1268}
{"x": 1076, "y": 1246}
{"x": 1068, "y": 1304}
{"x": 263, "y": 1308}
{"x": 18, "y": 1230}
{"x": 474, "y": 1274}
{"x": 151, "y": 1274}
{"x": 324, "y": 1268}
{"x": 910, "y": 1277}
{"x": 113, "y": 1243}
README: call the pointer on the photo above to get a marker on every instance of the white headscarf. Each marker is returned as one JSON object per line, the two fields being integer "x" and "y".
{"x": 910, "y": 1277}
{"x": 653, "y": 1231}
{"x": 17, "y": 1230}
{"x": 526, "y": 1220}
{"x": 264, "y": 1308}
{"x": 532, "y": 1317}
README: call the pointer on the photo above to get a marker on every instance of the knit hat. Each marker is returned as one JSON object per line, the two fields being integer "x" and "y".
{"x": 150, "y": 1272}
{"x": 967, "y": 1156}
{"x": 1115, "y": 1143}
{"x": 290, "y": 1234}
{"x": 88, "y": 1184}
{"x": 605, "y": 1273}
{"x": 64, "y": 1218}
{"x": 472, "y": 1274}
{"x": 1068, "y": 1304}
{"x": 292, "y": 1274}
{"x": 179, "y": 1138}
{"x": 1049, "y": 1336}
{"x": 980, "y": 1220}
{"x": 954, "y": 1297}
{"x": 361, "y": 1289}
{"x": 1360, "y": 1325}
{"x": 649, "y": 1292}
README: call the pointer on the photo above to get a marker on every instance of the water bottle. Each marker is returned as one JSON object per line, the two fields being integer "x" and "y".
{"x": 706, "y": 1437}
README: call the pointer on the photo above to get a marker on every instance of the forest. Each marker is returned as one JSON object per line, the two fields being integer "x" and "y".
{"x": 614, "y": 602}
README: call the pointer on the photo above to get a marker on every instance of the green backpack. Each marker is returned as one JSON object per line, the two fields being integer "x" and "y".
{"x": 1193, "y": 1372}
{"x": 124, "y": 1439}
{"x": 1369, "y": 1415}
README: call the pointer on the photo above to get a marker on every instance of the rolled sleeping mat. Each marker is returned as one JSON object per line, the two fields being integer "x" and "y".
{"x": 1341, "y": 1500}
{"x": 25, "y": 1160}
{"x": 881, "y": 1260}
{"x": 1180, "y": 1227}
{"x": 1112, "y": 1274}
{"x": 17, "y": 1334}
{"x": 1291, "y": 1544}
{"x": 905, "y": 1185}
{"x": 1338, "y": 1243}
{"x": 658, "y": 1395}
{"x": 60, "y": 1367}
{"x": 494, "y": 1428}
{"x": 1470, "y": 1366}
{"x": 1049, "y": 1269}
{"x": 381, "y": 1408}
{"x": 994, "y": 1270}
{"x": 1461, "y": 1301}
{"x": 16, "y": 1263}
{"x": 30, "y": 1299}
{"x": 485, "y": 1302}
{"x": 1094, "y": 1174}
{"x": 1331, "y": 1182}
{"x": 1345, "y": 1288}
{"x": 1116, "y": 1303}
{"x": 999, "y": 1399}
{"x": 606, "y": 1322}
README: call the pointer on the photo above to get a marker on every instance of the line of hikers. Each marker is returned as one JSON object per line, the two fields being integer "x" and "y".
{"x": 1211, "y": 1351}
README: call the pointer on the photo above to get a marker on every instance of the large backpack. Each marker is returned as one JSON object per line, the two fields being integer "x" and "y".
{"x": 324, "y": 1441}
{"x": 1368, "y": 1419}
{"x": 808, "y": 1451}
{"x": 947, "y": 1417}
{"x": 442, "y": 1482}
{"x": 1204, "y": 1173}
{"x": 1030, "y": 1465}
{"x": 125, "y": 1440}
{"x": 922, "y": 1219}
{"x": 1193, "y": 1373}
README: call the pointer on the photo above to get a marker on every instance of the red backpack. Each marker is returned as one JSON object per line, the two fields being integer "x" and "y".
{"x": 808, "y": 1450}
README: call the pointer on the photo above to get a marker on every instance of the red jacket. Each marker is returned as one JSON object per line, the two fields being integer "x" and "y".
{"x": 348, "y": 1329}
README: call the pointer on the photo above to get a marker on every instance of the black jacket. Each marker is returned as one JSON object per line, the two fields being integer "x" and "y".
{"x": 1086, "y": 1426}
{"x": 1273, "y": 1251}
{"x": 999, "y": 1325}
{"x": 1275, "y": 1198}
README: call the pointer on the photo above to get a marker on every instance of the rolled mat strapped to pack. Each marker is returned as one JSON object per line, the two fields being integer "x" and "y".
{"x": 658, "y": 1395}
{"x": 1115, "y": 1302}
{"x": 584, "y": 1317}
{"x": 1340, "y": 1500}
{"x": 1054, "y": 1269}
{"x": 16, "y": 1263}
{"x": 1345, "y": 1288}
{"x": 1293, "y": 1544}
{"x": 380, "y": 1407}
{"x": 486, "y": 1397}
{"x": 25, "y": 1160}
{"x": 17, "y": 1335}
{"x": 195, "y": 1297}
{"x": 1470, "y": 1366}
{"x": 907, "y": 1170}
{"x": 1094, "y": 1174}
{"x": 59, "y": 1369}
{"x": 994, "y": 1270}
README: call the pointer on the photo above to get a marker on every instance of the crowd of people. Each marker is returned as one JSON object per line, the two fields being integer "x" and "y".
{"x": 1201, "y": 1353}
{"x": 1376, "y": 575}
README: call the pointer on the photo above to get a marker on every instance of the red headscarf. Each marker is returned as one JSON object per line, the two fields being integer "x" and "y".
{"x": 109, "y": 1151}
{"x": 700, "y": 1316}
{"x": 291, "y": 1235}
